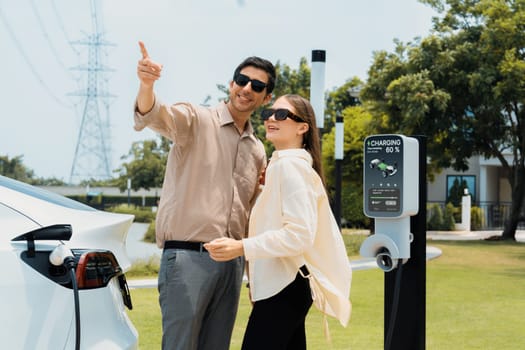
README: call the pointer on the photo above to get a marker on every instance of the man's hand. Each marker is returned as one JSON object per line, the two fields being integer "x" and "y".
{"x": 148, "y": 70}
{"x": 224, "y": 249}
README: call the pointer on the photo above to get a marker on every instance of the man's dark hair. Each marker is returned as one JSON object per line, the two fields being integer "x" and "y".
{"x": 260, "y": 63}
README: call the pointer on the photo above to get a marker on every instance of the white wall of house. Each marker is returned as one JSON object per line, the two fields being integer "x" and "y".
{"x": 505, "y": 191}
{"x": 491, "y": 183}
{"x": 437, "y": 189}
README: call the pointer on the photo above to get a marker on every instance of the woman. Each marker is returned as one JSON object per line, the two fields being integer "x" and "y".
{"x": 294, "y": 248}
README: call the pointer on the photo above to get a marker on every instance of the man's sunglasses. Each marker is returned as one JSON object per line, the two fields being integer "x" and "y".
{"x": 243, "y": 80}
{"x": 280, "y": 114}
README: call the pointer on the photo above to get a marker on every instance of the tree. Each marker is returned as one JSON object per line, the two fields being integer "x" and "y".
{"x": 340, "y": 98}
{"x": 356, "y": 128}
{"x": 15, "y": 169}
{"x": 463, "y": 87}
{"x": 146, "y": 166}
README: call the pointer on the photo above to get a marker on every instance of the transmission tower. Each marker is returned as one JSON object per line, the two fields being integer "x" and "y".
{"x": 93, "y": 150}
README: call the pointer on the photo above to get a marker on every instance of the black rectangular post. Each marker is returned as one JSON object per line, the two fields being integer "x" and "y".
{"x": 410, "y": 323}
{"x": 337, "y": 196}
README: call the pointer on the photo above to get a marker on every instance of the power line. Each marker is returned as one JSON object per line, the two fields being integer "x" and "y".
{"x": 48, "y": 39}
{"x": 28, "y": 62}
{"x": 62, "y": 27}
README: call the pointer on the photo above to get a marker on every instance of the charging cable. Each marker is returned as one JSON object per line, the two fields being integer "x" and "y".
{"x": 62, "y": 255}
{"x": 395, "y": 304}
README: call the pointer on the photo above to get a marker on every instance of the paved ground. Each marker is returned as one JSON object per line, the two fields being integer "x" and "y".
{"x": 138, "y": 250}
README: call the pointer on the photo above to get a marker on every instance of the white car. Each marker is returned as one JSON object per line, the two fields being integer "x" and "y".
{"x": 46, "y": 240}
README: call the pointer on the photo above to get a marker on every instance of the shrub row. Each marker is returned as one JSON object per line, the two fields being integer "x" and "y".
{"x": 445, "y": 219}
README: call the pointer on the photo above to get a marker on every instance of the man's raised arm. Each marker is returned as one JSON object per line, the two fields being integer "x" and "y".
{"x": 148, "y": 72}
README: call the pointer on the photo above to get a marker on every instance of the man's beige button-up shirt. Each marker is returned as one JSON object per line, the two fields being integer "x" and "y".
{"x": 212, "y": 173}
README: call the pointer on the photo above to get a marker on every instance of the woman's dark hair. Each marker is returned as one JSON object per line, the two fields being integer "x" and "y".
{"x": 260, "y": 63}
{"x": 311, "y": 142}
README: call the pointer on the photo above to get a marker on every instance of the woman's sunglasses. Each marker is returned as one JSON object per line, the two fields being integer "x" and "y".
{"x": 280, "y": 114}
{"x": 243, "y": 80}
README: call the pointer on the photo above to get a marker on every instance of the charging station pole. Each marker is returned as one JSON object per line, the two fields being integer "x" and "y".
{"x": 409, "y": 331}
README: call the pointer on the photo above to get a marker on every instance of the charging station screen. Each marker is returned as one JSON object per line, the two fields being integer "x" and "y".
{"x": 383, "y": 175}
{"x": 384, "y": 199}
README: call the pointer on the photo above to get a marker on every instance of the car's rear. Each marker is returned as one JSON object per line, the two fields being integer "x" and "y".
{"x": 38, "y": 298}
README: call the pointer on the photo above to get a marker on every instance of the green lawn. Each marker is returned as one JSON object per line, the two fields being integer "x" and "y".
{"x": 475, "y": 300}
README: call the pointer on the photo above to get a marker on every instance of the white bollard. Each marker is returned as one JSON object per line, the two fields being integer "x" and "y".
{"x": 465, "y": 211}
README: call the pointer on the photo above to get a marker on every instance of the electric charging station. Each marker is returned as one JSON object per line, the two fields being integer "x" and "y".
{"x": 391, "y": 193}
{"x": 394, "y": 195}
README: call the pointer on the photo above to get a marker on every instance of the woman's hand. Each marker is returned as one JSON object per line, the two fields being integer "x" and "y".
{"x": 224, "y": 249}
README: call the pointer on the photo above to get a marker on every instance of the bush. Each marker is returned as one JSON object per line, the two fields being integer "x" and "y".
{"x": 440, "y": 220}
{"x": 353, "y": 241}
{"x": 145, "y": 215}
{"x": 101, "y": 201}
{"x": 435, "y": 222}
{"x": 149, "y": 236}
{"x": 476, "y": 218}
{"x": 352, "y": 208}
{"x": 449, "y": 223}
{"x": 142, "y": 214}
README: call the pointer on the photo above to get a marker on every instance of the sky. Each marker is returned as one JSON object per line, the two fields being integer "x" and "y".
{"x": 199, "y": 43}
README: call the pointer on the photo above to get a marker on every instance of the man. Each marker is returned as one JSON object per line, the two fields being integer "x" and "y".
{"x": 210, "y": 184}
